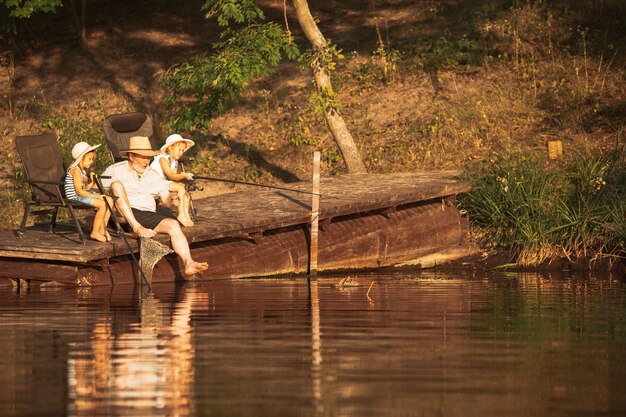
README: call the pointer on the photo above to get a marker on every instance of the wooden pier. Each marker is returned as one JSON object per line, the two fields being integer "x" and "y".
{"x": 365, "y": 221}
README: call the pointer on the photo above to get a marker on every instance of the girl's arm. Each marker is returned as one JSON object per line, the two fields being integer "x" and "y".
{"x": 91, "y": 183}
{"x": 172, "y": 175}
{"x": 78, "y": 185}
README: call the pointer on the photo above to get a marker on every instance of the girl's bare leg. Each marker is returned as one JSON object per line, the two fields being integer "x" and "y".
{"x": 184, "y": 208}
{"x": 96, "y": 230}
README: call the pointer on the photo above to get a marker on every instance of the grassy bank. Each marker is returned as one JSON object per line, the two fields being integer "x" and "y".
{"x": 541, "y": 211}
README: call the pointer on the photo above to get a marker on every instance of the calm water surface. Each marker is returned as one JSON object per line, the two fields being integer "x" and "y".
{"x": 411, "y": 344}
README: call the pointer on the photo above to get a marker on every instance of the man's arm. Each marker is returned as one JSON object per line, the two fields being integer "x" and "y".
{"x": 162, "y": 190}
{"x": 123, "y": 206}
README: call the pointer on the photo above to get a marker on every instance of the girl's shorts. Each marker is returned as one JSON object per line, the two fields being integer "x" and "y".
{"x": 86, "y": 200}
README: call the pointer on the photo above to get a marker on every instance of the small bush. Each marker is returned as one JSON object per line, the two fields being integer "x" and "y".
{"x": 540, "y": 212}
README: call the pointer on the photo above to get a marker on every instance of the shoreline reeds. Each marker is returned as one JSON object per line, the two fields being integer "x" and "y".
{"x": 540, "y": 211}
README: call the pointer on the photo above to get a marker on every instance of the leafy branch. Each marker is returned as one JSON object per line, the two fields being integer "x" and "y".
{"x": 202, "y": 88}
{"x": 321, "y": 58}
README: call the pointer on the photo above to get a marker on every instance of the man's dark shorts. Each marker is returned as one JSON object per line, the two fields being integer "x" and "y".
{"x": 151, "y": 219}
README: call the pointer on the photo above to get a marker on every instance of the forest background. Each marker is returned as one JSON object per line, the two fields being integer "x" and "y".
{"x": 479, "y": 87}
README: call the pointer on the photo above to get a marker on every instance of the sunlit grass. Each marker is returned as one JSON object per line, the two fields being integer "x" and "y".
{"x": 541, "y": 211}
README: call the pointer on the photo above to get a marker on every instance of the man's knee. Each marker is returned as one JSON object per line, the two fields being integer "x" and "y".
{"x": 117, "y": 187}
{"x": 169, "y": 226}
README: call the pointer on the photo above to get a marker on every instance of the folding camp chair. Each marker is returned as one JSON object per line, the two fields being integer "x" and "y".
{"x": 42, "y": 158}
{"x": 119, "y": 128}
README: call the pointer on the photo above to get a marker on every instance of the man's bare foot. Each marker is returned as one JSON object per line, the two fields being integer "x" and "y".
{"x": 194, "y": 267}
{"x": 185, "y": 221}
{"x": 98, "y": 236}
{"x": 143, "y": 232}
{"x": 108, "y": 236}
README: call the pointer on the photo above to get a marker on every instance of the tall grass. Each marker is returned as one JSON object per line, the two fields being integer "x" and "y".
{"x": 541, "y": 212}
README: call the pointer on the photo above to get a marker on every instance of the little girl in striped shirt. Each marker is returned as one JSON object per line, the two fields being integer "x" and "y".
{"x": 81, "y": 187}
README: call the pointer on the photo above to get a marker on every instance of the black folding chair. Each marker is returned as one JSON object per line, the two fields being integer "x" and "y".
{"x": 42, "y": 158}
{"x": 119, "y": 128}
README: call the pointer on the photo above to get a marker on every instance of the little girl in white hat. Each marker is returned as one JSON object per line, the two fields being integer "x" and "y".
{"x": 166, "y": 164}
{"x": 80, "y": 187}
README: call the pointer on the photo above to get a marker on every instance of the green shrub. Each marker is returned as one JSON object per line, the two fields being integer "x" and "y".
{"x": 539, "y": 211}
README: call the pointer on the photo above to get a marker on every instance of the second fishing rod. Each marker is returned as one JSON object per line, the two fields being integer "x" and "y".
{"x": 253, "y": 184}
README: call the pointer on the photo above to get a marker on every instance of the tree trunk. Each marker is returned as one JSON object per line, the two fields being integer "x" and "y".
{"x": 80, "y": 20}
{"x": 335, "y": 121}
{"x": 11, "y": 80}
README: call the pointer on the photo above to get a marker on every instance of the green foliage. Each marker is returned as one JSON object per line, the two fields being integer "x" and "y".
{"x": 26, "y": 8}
{"x": 387, "y": 60}
{"x": 202, "y": 88}
{"x": 11, "y": 10}
{"x": 576, "y": 211}
{"x": 239, "y": 11}
{"x": 321, "y": 58}
{"x": 324, "y": 101}
{"x": 299, "y": 132}
{"x": 84, "y": 125}
{"x": 443, "y": 54}
{"x": 594, "y": 209}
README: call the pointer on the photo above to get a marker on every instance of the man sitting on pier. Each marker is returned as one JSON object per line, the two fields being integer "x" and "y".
{"x": 136, "y": 187}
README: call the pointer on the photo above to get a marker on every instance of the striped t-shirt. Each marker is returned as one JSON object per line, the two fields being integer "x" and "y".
{"x": 70, "y": 190}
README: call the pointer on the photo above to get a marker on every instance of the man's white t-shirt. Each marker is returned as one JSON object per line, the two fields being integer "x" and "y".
{"x": 140, "y": 189}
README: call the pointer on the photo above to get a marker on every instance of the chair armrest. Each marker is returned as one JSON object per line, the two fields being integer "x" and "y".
{"x": 44, "y": 182}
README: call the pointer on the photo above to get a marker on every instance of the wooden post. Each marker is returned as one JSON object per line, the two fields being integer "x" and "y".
{"x": 315, "y": 206}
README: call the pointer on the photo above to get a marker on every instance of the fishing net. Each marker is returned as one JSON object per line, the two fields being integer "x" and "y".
{"x": 151, "y": 252}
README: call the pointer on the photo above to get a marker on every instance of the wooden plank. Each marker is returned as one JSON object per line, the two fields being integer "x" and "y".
{"x": 252, "y": 212}
{"x": 29, "y": 269}
{"x": 359, "y": 242}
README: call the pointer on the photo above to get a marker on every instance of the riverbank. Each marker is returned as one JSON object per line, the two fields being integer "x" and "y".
{"x": 428, "y": 85}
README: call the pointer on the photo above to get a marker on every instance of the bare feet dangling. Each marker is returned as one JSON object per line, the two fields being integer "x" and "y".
{"x": 194, "y": 267}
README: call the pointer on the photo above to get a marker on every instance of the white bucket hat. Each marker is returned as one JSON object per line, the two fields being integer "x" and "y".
{"x": 175, "y": 138}
{"x": 79, "y": 151}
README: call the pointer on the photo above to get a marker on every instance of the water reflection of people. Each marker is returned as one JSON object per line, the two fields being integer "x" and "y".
{"x": 146, "y": 370}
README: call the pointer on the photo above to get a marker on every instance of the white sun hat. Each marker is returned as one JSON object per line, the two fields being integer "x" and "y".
{"x": 175, "y": 138}
{"x": 79, "y": 151}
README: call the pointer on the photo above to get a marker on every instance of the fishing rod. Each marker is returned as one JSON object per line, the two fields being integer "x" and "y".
{"x": 118, "y": 228}
{"x": 254, "y": 184}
